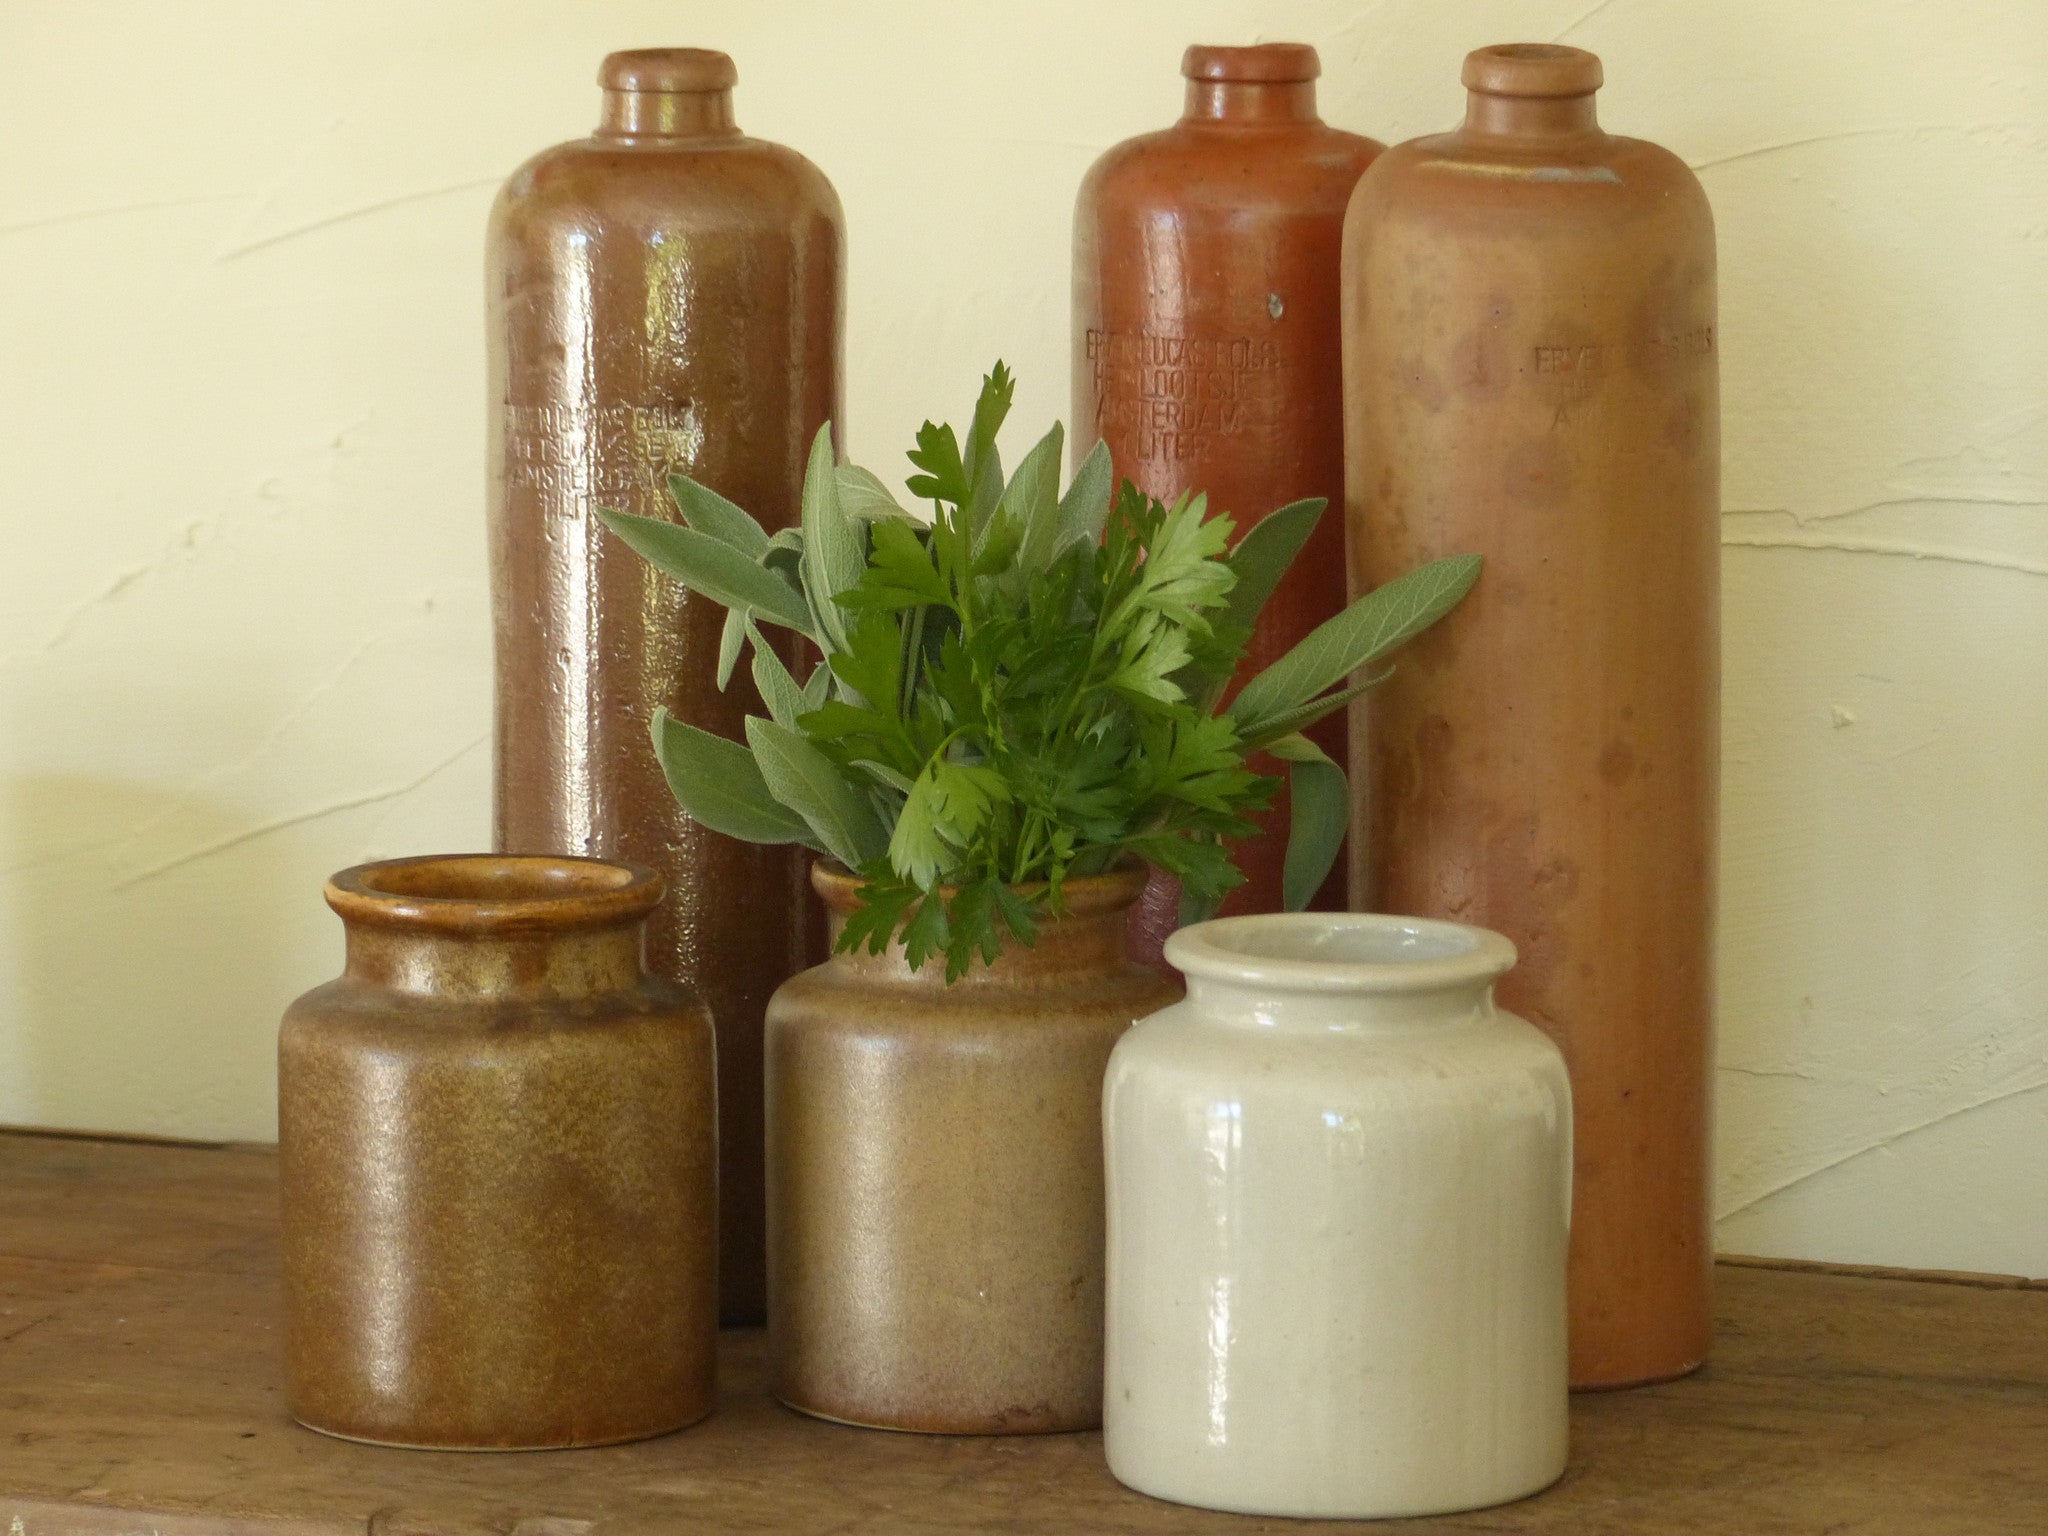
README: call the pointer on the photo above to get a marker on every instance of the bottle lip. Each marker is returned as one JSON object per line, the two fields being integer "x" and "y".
{"x": 493, "y": 894}
{"x": 1354, "y": 952}
{"x": 1257, "y": 64}
{"x": 668, "y": 71}
{"x": 1532, "y": 69}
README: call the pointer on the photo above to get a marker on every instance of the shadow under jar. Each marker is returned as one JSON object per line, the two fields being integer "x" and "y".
{"x": 935, "y": 1174}
{"x": 498, "y": 1146}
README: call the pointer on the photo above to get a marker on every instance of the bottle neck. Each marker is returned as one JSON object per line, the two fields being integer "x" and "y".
{"x": 667, "y": 115}
{"x": 1529, "y": 117}
{"x": 1250, "y": 103}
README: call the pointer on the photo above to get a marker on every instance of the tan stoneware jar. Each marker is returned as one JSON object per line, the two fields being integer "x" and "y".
{"x": 664, "y": 297}
{"x": 935, "y": 1215}
{"x": 1530, "y": 373}
{"x": 498, "y": 1150}
{"x": 1206, "y": 349}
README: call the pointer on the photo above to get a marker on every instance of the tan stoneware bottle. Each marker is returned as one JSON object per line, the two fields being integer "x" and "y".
{"x": 665, "y": 297}
{"x": 1530, "y": 373}
{"x": 1206, "y": 349}
{"x": 935, "y": 1205}
{"x": 498, "y": 1154}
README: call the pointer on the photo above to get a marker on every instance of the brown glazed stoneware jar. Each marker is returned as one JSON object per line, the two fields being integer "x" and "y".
{"x": 665, "y": 297}
{"x": 935, "y": 1216}
{"x": 498, "y": 1155}
{"x": 1206, "y": 352}
{"x": 1530, "y": 373}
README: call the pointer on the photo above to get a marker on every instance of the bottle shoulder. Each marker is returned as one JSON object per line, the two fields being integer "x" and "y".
{"x": 738, "y": 179}
{"x": 1229, "y": 170}
{"x": 1596, "y": 174}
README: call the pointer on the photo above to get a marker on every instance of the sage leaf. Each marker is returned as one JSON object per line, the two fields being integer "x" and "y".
{"x": 1085, "y": 507}
{"x": 778, "y": 690}
{"x": 1319, "y": 812}
{"x": 863, "y": 495}
{"x": 834, "y": 552}
{"x": 1289, "y": 721}
{"x": 717, "y": 784}
{"x": 730, "y": 639}
{"x": 1265, "y": 552}
{"x": 711, "y": 566}
{"x": 1032, "y": 498}
{"x": 708, "y": 512}
{"x": 812, "y": 785}
{"x": 1363, "y": 632}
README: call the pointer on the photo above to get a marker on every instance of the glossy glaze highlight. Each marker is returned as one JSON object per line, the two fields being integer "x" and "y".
{"x": 665, "y": 297}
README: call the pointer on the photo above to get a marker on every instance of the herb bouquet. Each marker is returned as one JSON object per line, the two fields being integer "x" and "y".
{"x": 1024, "y": 689}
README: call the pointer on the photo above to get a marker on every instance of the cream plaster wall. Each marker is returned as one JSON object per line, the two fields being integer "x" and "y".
{"x": 243, "y": 626}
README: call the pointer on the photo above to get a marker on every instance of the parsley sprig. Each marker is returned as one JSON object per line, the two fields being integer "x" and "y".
{"x": 1021, "y": 690}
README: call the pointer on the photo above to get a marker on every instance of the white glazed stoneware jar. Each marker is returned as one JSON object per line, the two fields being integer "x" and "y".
{"x": 1339, "y": 1185}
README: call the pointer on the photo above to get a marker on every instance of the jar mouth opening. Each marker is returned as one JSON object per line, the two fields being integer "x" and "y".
{"x": 494, "y": 892}
{"x": 1340, "y": 952}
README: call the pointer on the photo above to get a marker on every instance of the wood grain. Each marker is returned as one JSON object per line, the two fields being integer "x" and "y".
{"x": 139, "y": 1392}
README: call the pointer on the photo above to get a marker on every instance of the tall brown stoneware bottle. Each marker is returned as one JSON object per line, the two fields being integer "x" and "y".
{"x": 1530, "y": 373}
{"x": 1206, "y": 349}
{"x": 665, "y": 297}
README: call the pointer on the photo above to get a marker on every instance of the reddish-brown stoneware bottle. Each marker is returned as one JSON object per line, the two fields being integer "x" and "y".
{"x": 1530, "y": 373}
{"x": 665, "y": 297}
{"x": 1206, "y": 349}
{"x": 498, "y": 1158}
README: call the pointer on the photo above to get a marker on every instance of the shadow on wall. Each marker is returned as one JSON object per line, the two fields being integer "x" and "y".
{"x": 146, "y": 986}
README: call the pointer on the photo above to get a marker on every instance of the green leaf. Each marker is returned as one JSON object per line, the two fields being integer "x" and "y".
{"x": 1085, "y": 507}
{"x": 1320, "y": 811}
{"x": 834, "y": 554}
{"x": 717, "y": 783}
{"x": 1362, "y": 633}
{"x": 991, "y": 408}
{"x": 1265, "y": 553}
{"x": 1289, "y": 721}
{"x": 778, "y": 690}
{"x": 729, "y": 641}
{"x": 877, "y": 914}
{"x": 818, "y": 687}
{"x": 938, "y": 454}
{"x": 863, "y": 495}
{"x": 1032, "y": 498}
{"x": 899, "y": 574}
{"x": 915, "y": 848}
{"x": 712, "y": 567}
{"x": 925, "y": 934}
{"x": 812, "y": 785}
{"x": 708, "y": 512}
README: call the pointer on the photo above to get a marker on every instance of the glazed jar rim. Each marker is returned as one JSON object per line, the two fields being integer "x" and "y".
{"x": 494, "y": 893}
{"x": 1350, "y": 952}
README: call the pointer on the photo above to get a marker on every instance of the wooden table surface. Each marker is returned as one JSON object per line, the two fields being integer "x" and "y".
{"x": 140, "y": 1393}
